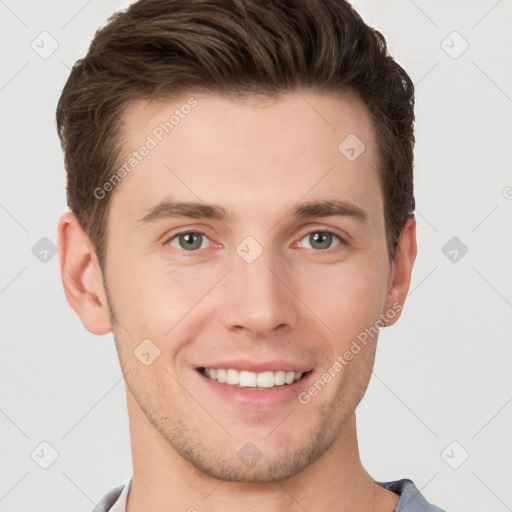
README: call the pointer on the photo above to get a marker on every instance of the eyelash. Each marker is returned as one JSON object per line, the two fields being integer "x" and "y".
{"x": 328, "y": 231}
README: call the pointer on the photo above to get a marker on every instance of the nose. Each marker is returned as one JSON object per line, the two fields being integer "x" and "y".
{"x": 258, "y": 296}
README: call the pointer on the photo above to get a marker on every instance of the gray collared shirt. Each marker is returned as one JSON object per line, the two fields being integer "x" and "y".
{"x": 411, "y": 500}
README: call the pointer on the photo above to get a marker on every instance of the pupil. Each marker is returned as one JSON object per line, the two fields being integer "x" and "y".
{"x": 190, "y": 241}
{"x": 322, "y": 240}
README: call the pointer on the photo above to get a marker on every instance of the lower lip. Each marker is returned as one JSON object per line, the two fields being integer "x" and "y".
{"x": 259, "y": 399}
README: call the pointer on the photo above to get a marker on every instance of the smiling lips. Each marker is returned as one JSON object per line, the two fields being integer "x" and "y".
{"x": 248, "y": 379}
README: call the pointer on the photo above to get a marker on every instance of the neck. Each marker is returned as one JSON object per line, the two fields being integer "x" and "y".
{"x": 163, "y": 480}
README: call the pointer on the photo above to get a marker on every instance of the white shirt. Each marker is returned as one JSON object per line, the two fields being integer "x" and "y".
{"x": 115, "y": 500}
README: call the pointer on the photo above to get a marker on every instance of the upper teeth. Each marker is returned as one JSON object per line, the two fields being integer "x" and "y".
{"x": 246, "y": 379}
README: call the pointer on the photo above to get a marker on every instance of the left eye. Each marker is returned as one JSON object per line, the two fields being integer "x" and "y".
{"x": 189, "y": 240}
{"x": 320, "y": 240}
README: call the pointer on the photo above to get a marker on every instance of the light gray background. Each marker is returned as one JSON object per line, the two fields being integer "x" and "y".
{"x": 442, "y": 374}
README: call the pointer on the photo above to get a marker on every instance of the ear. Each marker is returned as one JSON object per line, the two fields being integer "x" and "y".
{"x": 81, "y": 276}
{"x": 401, "y": 271}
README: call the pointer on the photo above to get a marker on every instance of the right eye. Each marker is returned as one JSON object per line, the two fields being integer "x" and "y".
{"x": 188, "y": 240}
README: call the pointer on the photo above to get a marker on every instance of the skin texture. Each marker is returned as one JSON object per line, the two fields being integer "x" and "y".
{"x": 258, "y": 159}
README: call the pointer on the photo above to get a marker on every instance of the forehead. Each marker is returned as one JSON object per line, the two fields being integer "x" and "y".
{"x": 257, "y": 152}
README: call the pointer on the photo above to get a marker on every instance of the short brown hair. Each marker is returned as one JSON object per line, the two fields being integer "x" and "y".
{"x": 159, "y": 49}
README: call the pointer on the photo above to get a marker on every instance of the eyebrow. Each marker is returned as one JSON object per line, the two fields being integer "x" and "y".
{"x": 197, "y": 210}
{"x": 171, "y": 209}
{"x": 330, "y": 208}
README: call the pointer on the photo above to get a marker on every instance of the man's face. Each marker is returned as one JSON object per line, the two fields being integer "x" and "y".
{"x": 261, "y": 289}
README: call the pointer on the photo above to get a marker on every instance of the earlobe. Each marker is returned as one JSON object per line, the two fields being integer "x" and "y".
{"x": 81, "y": 276}
{"x": 401, "y": 273}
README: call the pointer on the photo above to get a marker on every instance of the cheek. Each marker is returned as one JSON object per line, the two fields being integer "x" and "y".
{"x": 348, "y": 298}
{"x": 149, "y": 301}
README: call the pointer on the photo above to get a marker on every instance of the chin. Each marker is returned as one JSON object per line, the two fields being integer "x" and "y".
{"x": 258, "y": 462}
{"x": 255, "y": 471}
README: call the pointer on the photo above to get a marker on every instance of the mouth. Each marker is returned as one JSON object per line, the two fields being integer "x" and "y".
{"x": 253, "y": 380}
